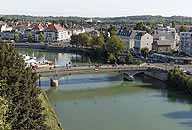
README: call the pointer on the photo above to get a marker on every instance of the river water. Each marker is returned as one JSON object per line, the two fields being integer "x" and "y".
{"x": 106, "y": 102}
{"x": 59, "y": 58}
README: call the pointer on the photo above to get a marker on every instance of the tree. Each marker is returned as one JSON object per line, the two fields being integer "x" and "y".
{"x": 145, "y": 52}
{"x": 85, "y": 39}
{"x": 4, "y": 124}
{"x": 173, "y": 24}
{"x": 41, "y": 37}
{"x": 182, "y": 29}
{"x": 112, "y": 30}
{"x": 30, "y": 37}
{"x": 115, "y": 45}
{"x": 128, "y": 58}
{"x": 98, "y": 41}
{"x": 112, "y": 58}
{"x": 20, "y": 90}
{"x": 143, "y": 27}
{"x": 16, "y": 37}
{"x": 75, "y": 40}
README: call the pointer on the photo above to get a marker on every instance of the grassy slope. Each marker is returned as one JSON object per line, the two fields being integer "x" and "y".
{"x": 52, "y": 120}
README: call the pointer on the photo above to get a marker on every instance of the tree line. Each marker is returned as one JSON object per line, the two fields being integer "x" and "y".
{"x": 106, "y": 46}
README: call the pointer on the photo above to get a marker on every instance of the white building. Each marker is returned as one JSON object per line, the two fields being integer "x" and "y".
{"x": 136, "y": 39}
{"x": 55, "y": 33}
{"x": 143, "y": 40}
{"x": 186, "y": 43}
{"x": 77, "y": 31}
{"x": 5, "y": 28}
{"x": 167, "y": 29}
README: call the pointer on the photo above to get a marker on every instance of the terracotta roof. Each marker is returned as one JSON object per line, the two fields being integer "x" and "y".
{"x": 38, "y": 27}
{"x": 54, "y": 27}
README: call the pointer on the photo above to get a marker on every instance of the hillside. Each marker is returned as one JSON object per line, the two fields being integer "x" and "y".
{"x": 126, "y": 19}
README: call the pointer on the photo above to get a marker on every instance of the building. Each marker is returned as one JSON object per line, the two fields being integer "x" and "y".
{"x": 186, "y": 43}
{"x": 4, "y": 28}
{"x": 143, "y": 40}
{"x": 36, "y": 31}
{"x": 165, "y": 39}
{"x": 168, "y": 29}
{"x": 76, "y": 31}
{"x": 163, "y": 45}
{"x": 187, "y": 27}
{"x": 127, "y": 37}
{"x": 135, "y": 39}
{"x": 55, "y": 33}
{"x": 95, "y": 33}
{"x": 7, "y": 35}
{"x": 162, "y": 58}
{"x": 165, "y": 42}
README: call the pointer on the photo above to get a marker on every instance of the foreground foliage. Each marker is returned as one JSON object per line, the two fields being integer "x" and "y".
{"x": 179, "y": 80}
{"x": 4, "y": 125}
{"x": 18, "y": 87}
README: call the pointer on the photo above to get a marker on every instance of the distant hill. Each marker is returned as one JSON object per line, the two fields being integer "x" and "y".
{"x": 126, "y": 19}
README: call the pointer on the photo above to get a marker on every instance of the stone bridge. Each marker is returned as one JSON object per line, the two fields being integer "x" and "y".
{"x": 134, "y": 72}
{"x": 129, "y": 69}
{"x": 55, "y": 73}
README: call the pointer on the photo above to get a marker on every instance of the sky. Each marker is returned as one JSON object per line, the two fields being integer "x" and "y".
{"x": 96, "y": 8}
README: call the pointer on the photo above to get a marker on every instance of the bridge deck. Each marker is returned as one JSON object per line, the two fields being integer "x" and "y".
{"x": 92, "y": 69}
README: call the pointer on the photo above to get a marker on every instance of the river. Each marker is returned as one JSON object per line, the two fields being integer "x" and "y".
{"x": 59, "y": 58}
{"x": 106, "y": 102}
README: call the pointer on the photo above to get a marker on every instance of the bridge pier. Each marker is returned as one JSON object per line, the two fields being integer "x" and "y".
{"x": 54, "y": 83}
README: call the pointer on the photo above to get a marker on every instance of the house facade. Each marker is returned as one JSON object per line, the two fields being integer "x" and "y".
{"x": 5, "y": 28}
{"x": 143, "y": 40}
{"x": 186, "y": 43}
{"x": 127, "y": 37}
{"x": 55, "y": 33}
{"x": 165, "y": 42}
{"x": 36, "y": 31}
{"x": 136, "y": 39}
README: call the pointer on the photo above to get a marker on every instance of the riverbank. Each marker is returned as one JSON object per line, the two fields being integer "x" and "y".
{"x": 51, "y": 117}
{"x": 180, "y": 80}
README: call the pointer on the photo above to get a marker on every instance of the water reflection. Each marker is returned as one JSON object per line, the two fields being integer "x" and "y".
{"x": 59, "y": 58}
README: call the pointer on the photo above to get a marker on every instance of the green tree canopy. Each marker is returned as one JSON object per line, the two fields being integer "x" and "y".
{"x": 129, "y": 58}
{"x": 173, "y": 24}
{"x": 41, "y": 37}
{"x": 112, "y": 30}
{"x": 182, "y": 29}
{"x": 115, "y": 45}
{"x": 75, "y": 40}
{"x": 142, "y": 26}
{"x": 16, "y": 37}
{"x": 20, "y": 90}
{"x": 145, "y": 52}
{"x": 30, "y": 37}
{"x": 112, "y": 58}
{"x": 98, "y": 41}
{"x": 4, "y": 124}
{"x": 85, "y": 39}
